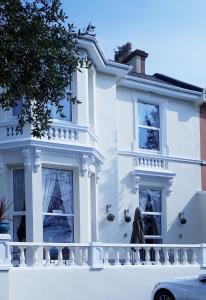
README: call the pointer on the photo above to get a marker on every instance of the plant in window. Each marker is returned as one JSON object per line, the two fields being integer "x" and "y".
{"x": 4, "y": 215}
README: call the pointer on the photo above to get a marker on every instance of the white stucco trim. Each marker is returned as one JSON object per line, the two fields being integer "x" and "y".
{"x": 167, "y": 157}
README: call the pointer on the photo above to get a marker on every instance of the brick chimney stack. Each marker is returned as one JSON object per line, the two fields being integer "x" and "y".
{"x": 135, "y": 58}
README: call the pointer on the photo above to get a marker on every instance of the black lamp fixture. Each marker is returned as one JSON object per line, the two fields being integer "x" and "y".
{"x": 182, "y": 218}
{"x": 109, "y": 216}
{"x": 127, "y": 218}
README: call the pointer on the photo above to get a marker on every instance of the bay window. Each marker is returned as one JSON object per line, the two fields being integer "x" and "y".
{"x": 58, "y": 209}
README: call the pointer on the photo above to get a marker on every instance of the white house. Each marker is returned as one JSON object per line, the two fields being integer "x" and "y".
{"x": 133, "y": 142}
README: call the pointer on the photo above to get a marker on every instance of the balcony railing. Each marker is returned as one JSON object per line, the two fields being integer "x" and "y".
{"x": 98, "y": 255}
{"x": 58, "y": 133}
{"x": 143, "y": 161}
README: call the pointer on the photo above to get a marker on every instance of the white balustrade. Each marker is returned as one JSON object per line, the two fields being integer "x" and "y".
{"x": 134, "y": 255}
{"x": 151, "y": 162}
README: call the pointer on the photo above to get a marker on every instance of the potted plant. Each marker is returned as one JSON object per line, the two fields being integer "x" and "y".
{"x": 4, "y": 215}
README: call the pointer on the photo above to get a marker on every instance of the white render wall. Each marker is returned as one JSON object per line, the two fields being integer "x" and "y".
{"x": 84, "y": 284}
{"x": 116, "y": 133}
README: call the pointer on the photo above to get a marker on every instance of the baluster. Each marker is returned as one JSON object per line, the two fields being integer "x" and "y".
{"x": 155, "y": 163}
{"x": 194, "y": 256}
{"x": 9, "y": 255}
{"x": 176, "y": 257}
{"x": 106, "y": 256}
{"x": 60, "y": 257}
{"x": 137, "y": 256}
{"x": 84, "y": 256}
{"x": 64, "y": 133}
{"x": 69, "y": 132}
{"x": 166, "y": 256}
{"x": 47, "y": 256}
{"x": 34, "y": 256}
{"x": 147, "y": 256}
{"x": 53, "y": 132}
{"x": 127, "y": 256}
{"x": 157, "y": 256}
{"x": 117, "y": 262}
{"x": 71, "y": 257}
{"x": 59, "y": 133}
{"x": 22, "y": 257}
{"x": 184, "y": 256}
{"x": 158, "y": 163}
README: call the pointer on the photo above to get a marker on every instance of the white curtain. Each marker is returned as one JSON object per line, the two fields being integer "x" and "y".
{"x": 19, "y": 198}
{"x": 65, "y": 182}
{"x": 49, "y": 179}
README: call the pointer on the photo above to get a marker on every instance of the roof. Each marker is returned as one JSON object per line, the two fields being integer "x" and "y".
{"x": 157, "y": 77}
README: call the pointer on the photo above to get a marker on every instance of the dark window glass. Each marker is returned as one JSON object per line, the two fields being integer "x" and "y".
{"x": 150, "y": 200}
{"x": 148, "y": 115}
{"x": 58, "y": 229}
{"x": 17, "y": 109}
{"x": 149, "y": 139}
{"x": 18, "y": 190}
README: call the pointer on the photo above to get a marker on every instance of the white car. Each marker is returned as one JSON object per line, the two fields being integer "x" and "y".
{"x": 193, "y": 288}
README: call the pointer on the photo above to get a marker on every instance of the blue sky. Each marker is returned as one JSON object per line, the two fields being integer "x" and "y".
{"x": 173, "y": 32}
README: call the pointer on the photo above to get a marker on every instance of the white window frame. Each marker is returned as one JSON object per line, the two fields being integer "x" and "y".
{"x": 162, "y": 103}
{"x": 54, "y": 167}
{"x": 153, "y": 237}
{"x": 16, "y": 213}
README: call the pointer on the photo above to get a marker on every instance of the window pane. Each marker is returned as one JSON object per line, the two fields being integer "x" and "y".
{"x": 153, "y": 241}
{"x": 152, "y": 225}
{"x": 149, "y": 139}
{"x": 18, "y": 190}
{"x": 19, "y": 229}
{"x": 57, "y": 191}
{"x": 17, "y": 109}
{"x": 148, "y": 114}
{"x": 67, "y": 111}
{"x": 58, "y": 229}
{"x": 150, "y": 200}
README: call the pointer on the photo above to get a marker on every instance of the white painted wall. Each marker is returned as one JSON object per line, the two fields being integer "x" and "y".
{"x": 83, "y": 284}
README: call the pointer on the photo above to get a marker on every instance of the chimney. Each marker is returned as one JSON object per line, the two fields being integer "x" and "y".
{"x": 135, "y": 58}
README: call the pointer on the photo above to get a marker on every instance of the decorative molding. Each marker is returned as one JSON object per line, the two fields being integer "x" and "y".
{"x": 84, "y": 164}
{"x": 136, "y": 183}
{"x": 37, "y": 159}
{"x": 1, "y": 164}
{"x": 27, "y": 159}
{"x": 166, "y": 157}
{"x": 164, "y": 179}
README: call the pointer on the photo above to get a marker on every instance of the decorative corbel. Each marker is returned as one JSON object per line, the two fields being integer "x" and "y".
{"x": 136, "y": 179}
{"x": 37, "y": 159}
{"x": 84, "y": 164}
{"x": 98, "y": 171}
{"x": 27, "y": 159}
{"x": 169, "y": 186}
{"x": 1, "y": 164}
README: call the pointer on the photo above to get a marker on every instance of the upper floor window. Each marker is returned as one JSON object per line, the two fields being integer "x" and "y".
{"x": 67, "y": 110}
{"x": 17, "y": 109}
{"x": 149, "y": 126}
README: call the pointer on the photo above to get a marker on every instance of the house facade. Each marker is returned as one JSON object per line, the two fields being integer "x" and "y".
{"x": 134, "y": 141}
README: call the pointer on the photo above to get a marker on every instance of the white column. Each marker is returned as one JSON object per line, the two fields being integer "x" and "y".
{"x": 84, "y": 209}
{"x": 81, "y": 81}
{"x": 33, "y": 196}
{"x": 94, "y": 208}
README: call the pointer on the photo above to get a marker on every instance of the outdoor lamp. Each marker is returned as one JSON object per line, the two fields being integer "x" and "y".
{"x": 109, "y": 216}
{"x": 182, "y": 218}
{"x": 127, "y": 218}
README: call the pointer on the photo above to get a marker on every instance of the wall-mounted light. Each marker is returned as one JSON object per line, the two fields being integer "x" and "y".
{"x": 109, "y": 216}
{"x": 127, "y": 218}
{"x": 182, "y": 218}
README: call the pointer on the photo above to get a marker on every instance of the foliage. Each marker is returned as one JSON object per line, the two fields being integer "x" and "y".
{"x": 4, "y": 209}
{"x": 38, "y": 54}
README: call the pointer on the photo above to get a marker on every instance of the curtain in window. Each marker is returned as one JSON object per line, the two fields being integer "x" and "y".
{"x": 65, "y": 182}
{"x": 49, "y": 179}
{"x": 19, "y": 204}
